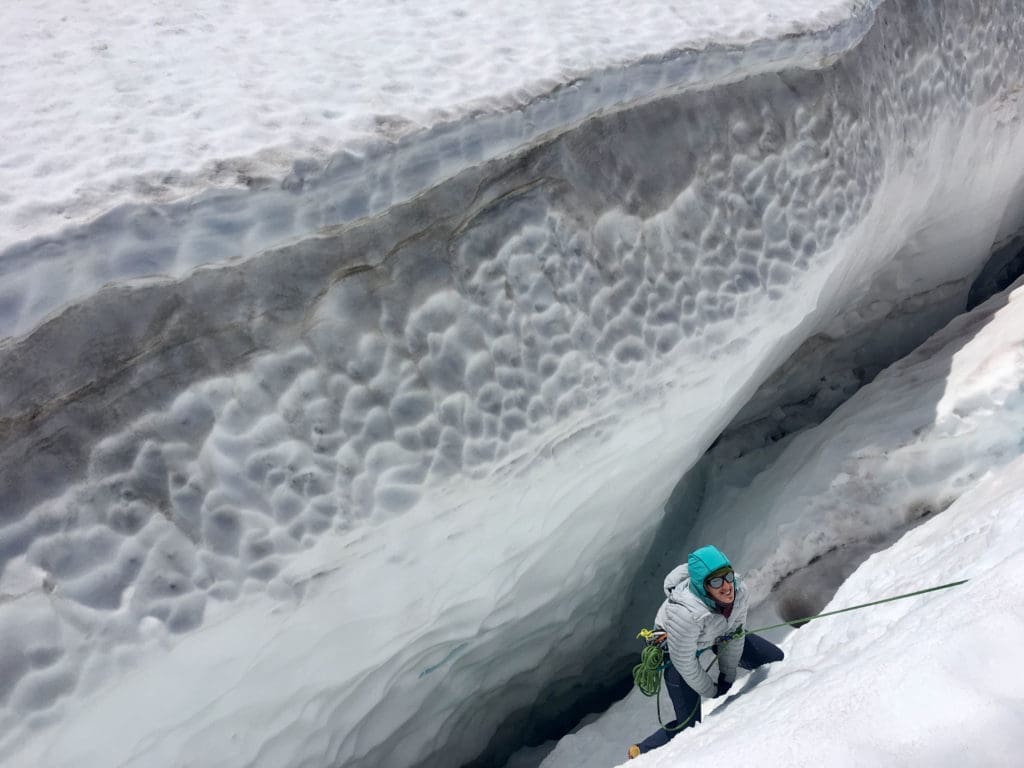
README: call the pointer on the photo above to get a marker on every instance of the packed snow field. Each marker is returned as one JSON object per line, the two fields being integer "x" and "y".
{"x": 230, "y": 488}
{"x": 189, "y": 136}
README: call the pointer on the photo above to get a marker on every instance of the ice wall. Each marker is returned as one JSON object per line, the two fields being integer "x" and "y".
{"x": 189, "y": 136}
{"x": 355, "y": 499}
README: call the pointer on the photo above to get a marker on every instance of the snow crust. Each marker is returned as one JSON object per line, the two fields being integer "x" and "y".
{"x": 142, "y": 140}
{"x": 230, "y": 491}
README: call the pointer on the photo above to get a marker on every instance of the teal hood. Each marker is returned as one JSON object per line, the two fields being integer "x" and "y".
{"x": 701, "y": 563}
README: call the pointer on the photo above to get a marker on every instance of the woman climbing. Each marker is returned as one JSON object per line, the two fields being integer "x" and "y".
{"x": 704, "y": 612}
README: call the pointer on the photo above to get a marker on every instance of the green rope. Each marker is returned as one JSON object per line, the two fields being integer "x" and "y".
{"x": 647, "y": 676}
{"x": 791, "y": 622}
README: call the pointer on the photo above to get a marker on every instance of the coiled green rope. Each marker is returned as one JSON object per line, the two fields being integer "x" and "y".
{"x": 647, "y": 676}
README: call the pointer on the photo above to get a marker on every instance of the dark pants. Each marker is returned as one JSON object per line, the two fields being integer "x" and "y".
{"x": 686, "y": 701}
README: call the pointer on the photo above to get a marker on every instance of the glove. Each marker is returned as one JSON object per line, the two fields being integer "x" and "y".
{"x": 723, "y": 686}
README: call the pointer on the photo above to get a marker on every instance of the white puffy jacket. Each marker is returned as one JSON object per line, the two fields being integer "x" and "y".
{"x": 691, "y": 625}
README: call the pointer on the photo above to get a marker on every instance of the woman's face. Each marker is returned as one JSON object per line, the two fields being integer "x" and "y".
{"x": 724, "y": 594}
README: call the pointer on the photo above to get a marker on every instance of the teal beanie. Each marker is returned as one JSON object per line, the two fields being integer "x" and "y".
{"x": 702, "y": 563}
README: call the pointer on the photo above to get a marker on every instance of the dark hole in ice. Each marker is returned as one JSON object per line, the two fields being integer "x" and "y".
{"x": 999, "y": 273}
{"x": 558, "y": 710}
{"x": 806, "y": 592}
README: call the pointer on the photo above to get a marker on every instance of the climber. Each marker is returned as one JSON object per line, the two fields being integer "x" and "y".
{"x": 705, "y": 609}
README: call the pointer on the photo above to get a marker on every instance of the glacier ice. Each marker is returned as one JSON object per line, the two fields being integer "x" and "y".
{"x": 244, "y": 149}
{"x": 355, "y": 497}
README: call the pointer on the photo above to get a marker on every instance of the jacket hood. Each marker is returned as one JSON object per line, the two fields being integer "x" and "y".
{"x": 680, "y": 575}
{"x": 700, "y": 564}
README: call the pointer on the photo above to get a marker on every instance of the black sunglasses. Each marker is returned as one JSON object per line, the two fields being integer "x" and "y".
{"x": 717, "y": 581}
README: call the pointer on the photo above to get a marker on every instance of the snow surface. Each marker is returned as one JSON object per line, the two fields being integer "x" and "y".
{"x": 228, "y": 490}
{"x": 148, "y": 91}
{"x": 928, "y": 681}
{"x": 145, "y": 140}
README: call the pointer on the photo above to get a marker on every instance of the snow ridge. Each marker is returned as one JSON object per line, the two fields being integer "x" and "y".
{"x": 165, "y": 179}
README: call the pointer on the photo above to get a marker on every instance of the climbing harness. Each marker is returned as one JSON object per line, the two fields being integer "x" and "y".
{"x": 648, "y": 673}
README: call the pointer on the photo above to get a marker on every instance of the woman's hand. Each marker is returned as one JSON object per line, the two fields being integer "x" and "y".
{"x": 722, "y": 686}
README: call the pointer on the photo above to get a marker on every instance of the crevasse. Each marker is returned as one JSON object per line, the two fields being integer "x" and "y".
{"x": 355, "y": 499}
